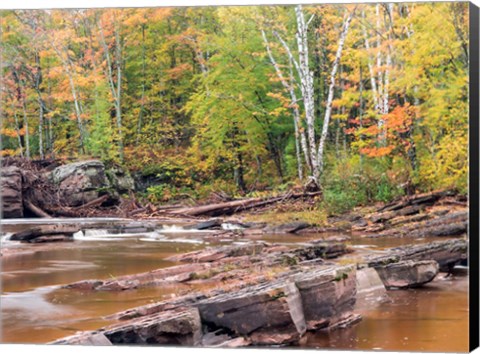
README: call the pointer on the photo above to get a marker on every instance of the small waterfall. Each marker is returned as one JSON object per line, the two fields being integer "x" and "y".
{"x": 96, "y": 233}
{"x": 78, "y": 235}
{"x": 173, "y": 229}
{"x": 5, "y": 237}
{"x": 228, "y": 226}
{"x": 104, "y": 235}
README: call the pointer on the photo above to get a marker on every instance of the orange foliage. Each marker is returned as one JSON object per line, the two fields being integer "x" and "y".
{"x": 377, "y": 151}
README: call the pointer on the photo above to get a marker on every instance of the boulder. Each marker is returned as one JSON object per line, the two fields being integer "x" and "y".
{"x": 268, "y": 314}
{"x": 80, "y": 182}
{"x": 446, "y": 253}
{"x": 328, "y": 295}
{"x": 11, "y": 188}
{"x": 120, "y": 179}
{"x": 407, "y": 274}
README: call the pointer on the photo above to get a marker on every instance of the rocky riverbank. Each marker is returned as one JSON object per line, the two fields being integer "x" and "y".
{"x": 263, "y": 294}
{"x": 248, "y": 293}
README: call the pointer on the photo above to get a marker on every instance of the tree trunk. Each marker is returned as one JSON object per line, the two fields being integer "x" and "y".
{"x": 115, "y": 88}
{"x": 296, "y": 114}
{"x": 142, "y": 99}
{"x": 25, "y": 124}
{"x": 331, "y": 88}
{"x": 17, "y": 130}
{"x": 118, "y": 108}
{"x": 38, "y": 81}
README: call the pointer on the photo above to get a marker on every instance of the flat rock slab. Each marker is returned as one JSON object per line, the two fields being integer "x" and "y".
{"x": 177, "y": 327}
{"x": 262, "y": 312}
{"x": 31, "y": 234}
{"x": 327, "y": 295}
{"x": 218, "y": 253}
{"x": 290, "y": 228}
{"x": 165, "y": 328}
{"x": 407, "y": 274}
{"x": 446, "y": 253}
{"x": 152, "y": 278}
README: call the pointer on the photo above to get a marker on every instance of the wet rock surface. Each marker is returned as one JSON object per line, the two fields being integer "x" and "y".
{"x": 445, "y": 253}
{"x": 176, "y": 327}
{"x": 261, "y": 312}
{"x": 327, "y": 295}
{"x": 407, "y": 274}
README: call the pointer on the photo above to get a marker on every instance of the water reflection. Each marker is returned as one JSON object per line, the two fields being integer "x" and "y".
{"x": 433, "y": 318}
{"x": 35, "y": 310}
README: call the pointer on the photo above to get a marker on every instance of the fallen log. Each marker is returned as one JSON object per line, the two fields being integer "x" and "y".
{"x": 452, "y": 224}
{"x": 94, "y": 203}
{"x": 424, "y": 198}
{"x": 232, "y": 207}
{"x": 405, "y": 211}
{"x": 36, "y": 210}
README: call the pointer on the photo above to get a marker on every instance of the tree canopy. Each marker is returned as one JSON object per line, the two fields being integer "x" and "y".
{"x": 367, "y": 97}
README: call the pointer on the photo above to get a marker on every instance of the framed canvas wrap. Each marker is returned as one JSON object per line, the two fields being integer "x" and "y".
{"x": 240, "y": 175}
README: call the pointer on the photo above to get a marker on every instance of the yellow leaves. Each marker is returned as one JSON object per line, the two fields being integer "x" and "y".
{"x": 8, "y": 132}
{"x": 277, "y": 111}
{"x": 8, "y": 152}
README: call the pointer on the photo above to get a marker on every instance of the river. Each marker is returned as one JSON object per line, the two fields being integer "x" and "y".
{"x": 34, "y": 309}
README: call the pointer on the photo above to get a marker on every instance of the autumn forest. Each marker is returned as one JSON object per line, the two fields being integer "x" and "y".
{"x": 365, "y": 101}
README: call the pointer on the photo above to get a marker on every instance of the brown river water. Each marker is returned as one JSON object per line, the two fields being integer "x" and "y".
{"x": 35, "y": 310}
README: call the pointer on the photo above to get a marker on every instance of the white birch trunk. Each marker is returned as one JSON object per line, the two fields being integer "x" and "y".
{"x": 296, "y": 113}
{"x": 373, "y": 81}
{"x": 306, "y": 78}
{"x": 331, "y": 89}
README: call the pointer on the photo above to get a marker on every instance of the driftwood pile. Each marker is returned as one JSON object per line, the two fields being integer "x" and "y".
{"x": 48, "y": 188}
{"x": 440, "y": 213}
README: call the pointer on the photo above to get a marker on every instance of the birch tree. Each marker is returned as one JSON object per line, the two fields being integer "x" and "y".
{"x": 331, "y": 88}
{"x": 300, "y": 139}
{"x": 315, "y": 151}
